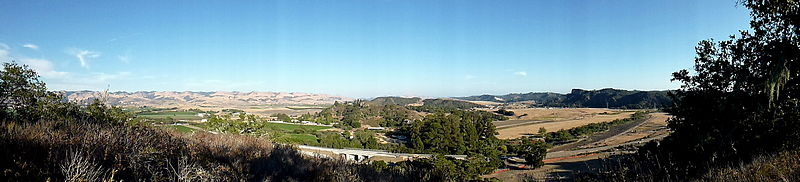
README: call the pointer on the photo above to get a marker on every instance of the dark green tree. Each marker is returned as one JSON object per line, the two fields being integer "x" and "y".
{"x": 742, "y": 98}
{"x": 533, "y": 152}
{"x": 282, "y": 117}
{"x": 23, "y": 96}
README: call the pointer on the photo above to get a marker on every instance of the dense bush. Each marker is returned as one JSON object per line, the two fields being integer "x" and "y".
{"x": 282, "y": 117}
{"x": 400, "y": 101}
{"x": 59, "y": 151}
{"x": 361, "y": 139}
{"x": 533, "y": 151}
{"x": 37, "y": 151}
{"x": 742, "y": 99}
{"x": 447, "y": 103}
{"x": 460, "y": 132}
{"x": 505, "y": 112}
{"x": 457, "y": 133}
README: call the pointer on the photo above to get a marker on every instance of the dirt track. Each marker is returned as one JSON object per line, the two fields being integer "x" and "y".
{"x": 583, "y": 156}
{"x": 554, "y": 120}
{"x": 612, "y": 132}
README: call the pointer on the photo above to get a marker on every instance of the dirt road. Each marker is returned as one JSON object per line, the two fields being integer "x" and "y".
{"x": 562, "y": 162}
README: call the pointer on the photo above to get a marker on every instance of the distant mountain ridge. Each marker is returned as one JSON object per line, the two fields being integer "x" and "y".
{"x": 416, "y": 101}
{"x": 188, "y": 98}
{"x": 389, "y": 100}
{"x": 608, "y": 97}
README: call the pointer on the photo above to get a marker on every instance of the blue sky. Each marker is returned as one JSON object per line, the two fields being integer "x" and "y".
{"x": 362, "y": 48}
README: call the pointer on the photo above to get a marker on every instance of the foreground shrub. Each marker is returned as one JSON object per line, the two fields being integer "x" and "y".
{"x": 61, "y": 151}
{"x": 784, "y": 166}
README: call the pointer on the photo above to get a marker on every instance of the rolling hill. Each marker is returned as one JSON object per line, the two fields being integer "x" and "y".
{"x": 203, "y": 99}
{"x": 403, "y": 101}
{"x": 608, "y": 97}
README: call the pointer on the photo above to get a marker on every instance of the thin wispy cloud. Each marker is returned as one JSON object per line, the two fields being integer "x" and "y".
{"x": 89, "y": 81}
{"x": 124, "y": 59}
{"x": 83, "y": 56}
{"x": 31, "y": 46}
{"x": 521, "y": 73}
{"x": 60, "y": 79}
{"x": 43, "y": 67}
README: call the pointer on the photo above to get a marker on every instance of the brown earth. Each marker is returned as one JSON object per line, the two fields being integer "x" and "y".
{"x": 582, "y": 159}
{"x": 554, "y": 120}
{"x": 553, "y": 114}
{"x": 655, "y": 126}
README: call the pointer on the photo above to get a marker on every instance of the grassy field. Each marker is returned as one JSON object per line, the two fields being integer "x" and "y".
{"x": 182, "y": 129}
{"x": 178, "y": 115}
{"x": 290, "y": 135}
{"x": 296, "y": 138}
{"x": 292, "y": 127}
{"x": 146, "y": 109}
{"x": 558, "y": 119}
{"x": 560, "y": 114}
{"x": 304, "y": 108}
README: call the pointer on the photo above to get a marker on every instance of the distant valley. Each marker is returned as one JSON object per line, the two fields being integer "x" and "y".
{"x": 204, "y": 99}
{"x": 611, "y": 98}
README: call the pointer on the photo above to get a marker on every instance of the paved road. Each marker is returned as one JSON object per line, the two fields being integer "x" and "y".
{"x": 348, "y": 151}
{"x": 503, "y": 125}
{"x": 371, "y": 153}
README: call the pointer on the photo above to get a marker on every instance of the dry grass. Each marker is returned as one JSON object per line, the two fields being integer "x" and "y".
{"x": 58, "y": 151}
{"x": 655, "y": 126}
{"x": 784, "y": 166}
{"x": 270, "y": 111}
{"x": 78, "y": 167}
{"x": 555, "y": 114}
{"x": 70, "y": 151}
{"x": 563, "y": 119}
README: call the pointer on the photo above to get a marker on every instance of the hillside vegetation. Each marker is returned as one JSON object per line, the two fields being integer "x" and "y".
{"x": 448, "y": 103}
{"x": 393, "y": 101}
{"x": 611, "y": 98}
